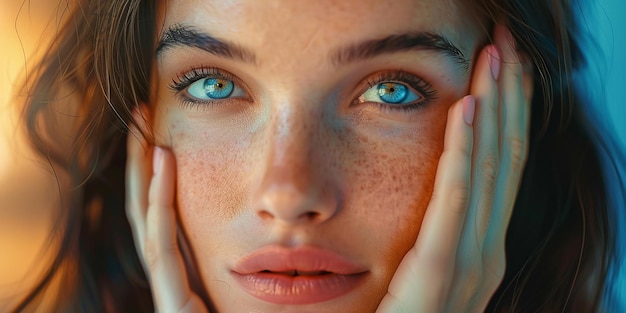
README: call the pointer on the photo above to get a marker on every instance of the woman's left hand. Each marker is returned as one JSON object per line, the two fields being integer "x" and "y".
{"x": 458, "y": 260}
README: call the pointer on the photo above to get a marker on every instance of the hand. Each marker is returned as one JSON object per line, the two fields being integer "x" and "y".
{"x": 458, "y": 259}
{"x": 150, "y": 210}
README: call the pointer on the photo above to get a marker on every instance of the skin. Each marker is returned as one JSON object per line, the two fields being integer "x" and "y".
{"x": 305, "y": 167}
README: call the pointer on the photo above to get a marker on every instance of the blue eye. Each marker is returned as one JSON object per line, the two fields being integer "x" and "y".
{"x": 390, "y": 93}
{"x": 208, "y": 86}
{"x": 214, "y": 88}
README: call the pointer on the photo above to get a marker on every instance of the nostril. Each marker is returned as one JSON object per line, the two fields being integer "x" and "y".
{"x": 304, "y": 217}
{"x": 265, "y": 215}
{"x": 311, "y": 216}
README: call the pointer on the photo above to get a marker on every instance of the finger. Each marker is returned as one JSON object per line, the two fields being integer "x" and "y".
{"x": 138, "y": 173}
{"x": 165, "y": 263}
{"x": 516, "y": 120}
{"x": 485, "y": 160}
{"x": 430, "y": 260}
{"x": 447, "y": 209}
{"x": 484, "y": 170}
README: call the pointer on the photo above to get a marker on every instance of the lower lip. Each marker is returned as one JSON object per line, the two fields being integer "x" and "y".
{"x": 285, "y": 289}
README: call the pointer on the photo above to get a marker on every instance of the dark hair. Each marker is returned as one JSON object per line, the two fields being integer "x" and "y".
{"x": 559, "y": 243}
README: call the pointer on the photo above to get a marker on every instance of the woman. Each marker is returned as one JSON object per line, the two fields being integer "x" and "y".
{"x": 321, "y": 157}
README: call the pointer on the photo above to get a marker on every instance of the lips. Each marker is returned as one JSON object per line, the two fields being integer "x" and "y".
{"x": 296, "y": 276}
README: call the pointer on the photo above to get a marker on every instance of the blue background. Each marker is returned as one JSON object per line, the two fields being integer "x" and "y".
{"x": 606, "y": 22}
{"x": 609, "y": 16}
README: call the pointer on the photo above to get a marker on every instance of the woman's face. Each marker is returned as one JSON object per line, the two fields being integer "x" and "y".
{"x": 306, "y": 136}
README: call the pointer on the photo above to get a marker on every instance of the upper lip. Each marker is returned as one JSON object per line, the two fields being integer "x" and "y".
{"x": 293, "y": 260}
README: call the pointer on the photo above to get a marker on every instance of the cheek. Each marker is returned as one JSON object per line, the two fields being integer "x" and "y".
{"x": 390, "y": 187}
{"x": 387, "y": 184}
{"x": 210, "y": 177}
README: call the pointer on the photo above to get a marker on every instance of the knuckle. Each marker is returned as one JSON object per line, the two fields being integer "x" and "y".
{"x": 458, "y": 198}
{"x": 489, "y": 171}
{"x": 517, "y": 151}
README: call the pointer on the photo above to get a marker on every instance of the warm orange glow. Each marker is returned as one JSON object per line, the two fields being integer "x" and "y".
{"x": 27, "y": 190}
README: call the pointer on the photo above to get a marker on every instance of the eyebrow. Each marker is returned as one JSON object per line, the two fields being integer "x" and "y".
{"x": 420, "y": 41}
{"x": 186, "y": 36}
{"x": 180, "y": 35}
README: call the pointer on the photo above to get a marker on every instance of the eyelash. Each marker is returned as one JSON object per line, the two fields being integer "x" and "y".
{"x": 420, "y": 86}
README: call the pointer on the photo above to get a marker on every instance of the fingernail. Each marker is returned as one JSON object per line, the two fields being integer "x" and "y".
{"x": 494, "y": 61}
{"x": 469, "y": 107}
{"x": 157, "y": 156}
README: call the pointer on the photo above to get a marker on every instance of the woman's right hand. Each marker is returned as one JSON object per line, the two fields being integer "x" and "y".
{"x": 150, "y": 190}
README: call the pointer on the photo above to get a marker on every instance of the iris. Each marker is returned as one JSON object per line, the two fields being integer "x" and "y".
{"x": 392, "y": 92}
{"x": 218, "y": 88}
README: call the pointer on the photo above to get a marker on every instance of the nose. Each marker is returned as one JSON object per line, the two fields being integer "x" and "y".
{"x": 285, "y": 201}
{"x": 295, "y": 188}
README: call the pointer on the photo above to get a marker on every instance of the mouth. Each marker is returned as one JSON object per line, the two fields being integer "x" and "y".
{"x": 297, "y": 276}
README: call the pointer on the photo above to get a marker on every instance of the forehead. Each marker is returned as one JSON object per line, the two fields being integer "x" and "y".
{"x": 284, "y": 26}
